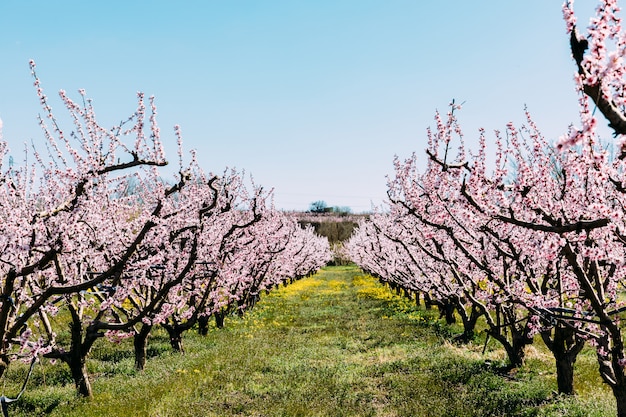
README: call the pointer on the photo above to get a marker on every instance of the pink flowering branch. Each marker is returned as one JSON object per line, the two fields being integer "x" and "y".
{"x": 609, "y": 109}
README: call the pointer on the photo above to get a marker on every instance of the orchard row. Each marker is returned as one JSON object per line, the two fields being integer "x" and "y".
{"x": 91, "y": 235}
{"x": 535, "y": 245}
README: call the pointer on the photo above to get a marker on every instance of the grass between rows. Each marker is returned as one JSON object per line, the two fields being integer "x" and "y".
{"x": 334, "y": 344}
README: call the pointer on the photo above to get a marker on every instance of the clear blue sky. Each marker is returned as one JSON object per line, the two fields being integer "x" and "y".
{"x": 313, "y": 98}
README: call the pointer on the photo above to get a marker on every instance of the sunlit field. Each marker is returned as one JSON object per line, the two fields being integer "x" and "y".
{"x": 334, "y": 344}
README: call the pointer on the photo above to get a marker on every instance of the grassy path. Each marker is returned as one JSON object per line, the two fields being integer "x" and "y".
{"x": 335, "y": 344}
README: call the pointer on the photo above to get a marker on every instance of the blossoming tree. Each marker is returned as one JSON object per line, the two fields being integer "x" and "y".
{"x": 546, "y": 236}
{"x": 90, "y": 229}
{"x": 64, "y": 231}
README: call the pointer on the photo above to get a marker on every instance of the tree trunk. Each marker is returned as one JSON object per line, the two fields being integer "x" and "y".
{"x": 446, "y": 309}
{"x": 219, "y": 319}
{"x": 428, "y": 302}
{"x": 176, "y": 337}
{"x": 469, "y": 323}
{"x": 565, "y": 347}
{"x": 76, "y": 357}
{"x": 610, "y": 363}
{"x": 516, "y": 347}
{"x": 203, "y": 325}
{"x": 4, "y": 364}
{"x": 176, "y": 341}
{"x": 516, "y": 354}
{"x": 619, "y": 391}
{"x": 140, "y": 341}
{"x": 519, "y": 341}
{"x": 7, "y": 310}
{"x": 565, "y": 374}
{"x": 77, "y": 364}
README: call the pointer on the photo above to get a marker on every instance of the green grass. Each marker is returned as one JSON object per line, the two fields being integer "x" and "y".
{"x": 335, "y": 344}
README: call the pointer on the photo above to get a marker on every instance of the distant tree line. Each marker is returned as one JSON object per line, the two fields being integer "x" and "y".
{"x": 320, "y": 206}
{"x": 336, "y": 224}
